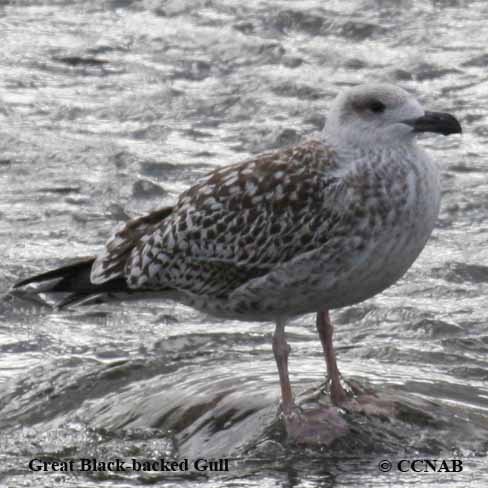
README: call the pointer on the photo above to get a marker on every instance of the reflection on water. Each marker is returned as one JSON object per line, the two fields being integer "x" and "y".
{"x": 111, "y": 109}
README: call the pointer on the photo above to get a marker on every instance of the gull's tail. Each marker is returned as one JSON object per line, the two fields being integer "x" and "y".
{"x": 73, "y": 279}
{"x": 104, "y": 275}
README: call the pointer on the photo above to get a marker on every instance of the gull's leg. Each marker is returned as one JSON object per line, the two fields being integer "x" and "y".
{"x": 313, "y": 427}
{"x": 337, "y": 393}
{"x": 281, "y": 350}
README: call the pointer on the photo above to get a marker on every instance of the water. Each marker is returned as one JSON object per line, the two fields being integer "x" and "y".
{"x": 109, "y": 109}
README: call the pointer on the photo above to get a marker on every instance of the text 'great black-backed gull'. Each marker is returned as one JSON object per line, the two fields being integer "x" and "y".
{"x": 321, "y": 225}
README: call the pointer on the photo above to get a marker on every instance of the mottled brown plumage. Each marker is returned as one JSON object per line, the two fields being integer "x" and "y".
{"x": 232, "y": 226}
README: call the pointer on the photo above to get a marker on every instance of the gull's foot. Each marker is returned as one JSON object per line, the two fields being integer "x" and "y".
{"x": 339, "y": 391}
{"x": 371, "y": 405}
{"x": 319, "y": 420}
{"x": 318, "y": 426}
{"x": 356, "y": 398}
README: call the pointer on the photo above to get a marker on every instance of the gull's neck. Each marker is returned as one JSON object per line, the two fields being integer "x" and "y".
{"x": 381, "y": 152}
{"x": 383, "y": 157}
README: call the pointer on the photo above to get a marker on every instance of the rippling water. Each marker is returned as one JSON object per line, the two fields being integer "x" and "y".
{"x": 111, "y": 108}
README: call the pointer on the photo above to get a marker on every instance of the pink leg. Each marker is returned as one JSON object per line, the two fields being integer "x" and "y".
{"x": 281, "y": 350}
{"x": 337, "y": 393}
{"x": 314, "y": 427}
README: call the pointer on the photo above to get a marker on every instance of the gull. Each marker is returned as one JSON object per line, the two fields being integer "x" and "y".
{"x": 305, "y": 229}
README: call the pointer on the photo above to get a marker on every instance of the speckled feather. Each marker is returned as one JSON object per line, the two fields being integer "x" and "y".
{"x": 233, "y": 225}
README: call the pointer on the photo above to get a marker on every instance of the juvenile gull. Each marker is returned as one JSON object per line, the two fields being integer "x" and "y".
{"x": 318, "y": 226}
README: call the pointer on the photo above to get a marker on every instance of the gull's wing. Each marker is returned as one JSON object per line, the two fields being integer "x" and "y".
{"x": 112, "y": 262}
{"x": 234, "y": 225}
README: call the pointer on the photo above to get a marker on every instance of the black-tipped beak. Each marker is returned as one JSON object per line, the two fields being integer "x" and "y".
{"x": 439, "y": 122}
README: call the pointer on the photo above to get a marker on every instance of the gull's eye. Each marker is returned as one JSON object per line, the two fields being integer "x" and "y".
{"x": 376, "y": 106}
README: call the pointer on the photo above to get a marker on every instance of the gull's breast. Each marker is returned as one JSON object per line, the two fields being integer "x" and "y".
{"x": 398, "y": 208}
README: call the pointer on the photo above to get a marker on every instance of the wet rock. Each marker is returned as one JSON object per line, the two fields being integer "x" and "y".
{"x": 118, "y": 213}
{"x": 157, "y": 169}
{"x": 144, "y": 188}
{"x": 286, "y": 137}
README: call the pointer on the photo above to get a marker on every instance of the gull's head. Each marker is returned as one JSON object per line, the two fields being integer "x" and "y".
{"x": 369, "y": 116}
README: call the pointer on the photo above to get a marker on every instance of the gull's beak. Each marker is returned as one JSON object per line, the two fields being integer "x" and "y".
{"x": 439, "y": 122}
